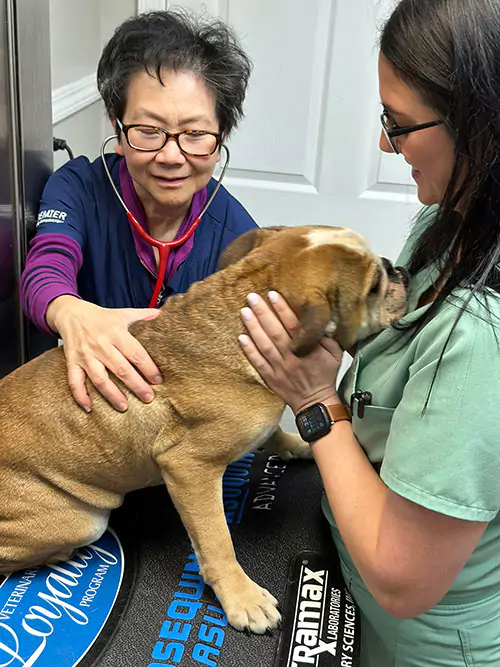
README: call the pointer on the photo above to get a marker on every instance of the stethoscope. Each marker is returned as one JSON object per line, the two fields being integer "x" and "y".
{"x": 162, "y": 246}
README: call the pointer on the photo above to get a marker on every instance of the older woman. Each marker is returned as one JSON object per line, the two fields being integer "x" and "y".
{"x": 173, "y": 86}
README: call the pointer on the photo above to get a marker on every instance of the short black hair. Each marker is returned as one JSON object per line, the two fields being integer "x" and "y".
{"x": 176, "y": 40}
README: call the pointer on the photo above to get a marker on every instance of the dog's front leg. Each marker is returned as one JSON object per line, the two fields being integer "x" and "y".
{"x": 196, "y": 490}
{"x": 288, "y": 446}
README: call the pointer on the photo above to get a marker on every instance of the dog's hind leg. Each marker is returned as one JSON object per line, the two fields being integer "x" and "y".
{"x": 288, "y": 446}
{"x": 194, "y": 481}
{"x": 37, "y": 545}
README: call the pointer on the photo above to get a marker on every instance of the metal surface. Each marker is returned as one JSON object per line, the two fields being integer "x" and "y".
{"x": 26, "y": 160}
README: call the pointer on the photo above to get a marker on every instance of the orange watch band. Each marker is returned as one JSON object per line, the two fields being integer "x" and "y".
{"x": 339, "y": 413}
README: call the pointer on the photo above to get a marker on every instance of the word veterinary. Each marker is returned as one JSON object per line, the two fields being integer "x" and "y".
{"x": 42, "y": 603}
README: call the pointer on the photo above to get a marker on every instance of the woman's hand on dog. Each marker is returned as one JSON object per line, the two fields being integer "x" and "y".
{"x": 96, "y": 342}
{"x": 299, "y": 382}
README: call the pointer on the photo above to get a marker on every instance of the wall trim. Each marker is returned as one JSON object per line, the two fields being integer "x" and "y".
{"x": 73, "y": 97}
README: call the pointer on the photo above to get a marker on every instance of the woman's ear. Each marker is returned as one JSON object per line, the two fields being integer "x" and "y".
{"x": 118, "y": 147}
{"x": 222, "y": 140}
{"x": 113, "y": 122}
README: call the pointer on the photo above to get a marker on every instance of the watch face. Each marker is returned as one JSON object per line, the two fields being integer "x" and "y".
{"x": 313, "y": 423}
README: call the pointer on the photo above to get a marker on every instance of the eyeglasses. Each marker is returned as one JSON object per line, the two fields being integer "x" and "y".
{"x": 149, "y": 138}
{"x": 391, "y": 130}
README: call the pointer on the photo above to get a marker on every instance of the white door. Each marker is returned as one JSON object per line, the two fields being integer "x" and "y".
{"x": 307, "y": 151}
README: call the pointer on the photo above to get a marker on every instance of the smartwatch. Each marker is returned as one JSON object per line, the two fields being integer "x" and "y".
{"x": 316, "y": 421}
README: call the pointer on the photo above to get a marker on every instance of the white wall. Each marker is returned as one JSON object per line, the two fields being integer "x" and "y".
{"x": 78, "y": 32}
{"x": 75, "y": 39}
{"x": 307, "y": 151}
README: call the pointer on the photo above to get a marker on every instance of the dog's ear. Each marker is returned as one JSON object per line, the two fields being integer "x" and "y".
{"x": 315, "y": 322}
{"x": 243, "y": 245}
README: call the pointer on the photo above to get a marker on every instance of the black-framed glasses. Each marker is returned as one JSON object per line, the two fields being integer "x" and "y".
{"x": 149, "y": 138}
{"x": 392, "y": 131}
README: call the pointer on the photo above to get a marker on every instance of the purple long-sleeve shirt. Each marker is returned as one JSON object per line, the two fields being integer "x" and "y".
{"x": 54, "y": 260}
{"x": 51, "y": 268}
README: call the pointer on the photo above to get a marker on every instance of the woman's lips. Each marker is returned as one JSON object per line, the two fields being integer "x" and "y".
{"x": 170, "y": 182}
{"x": 415, "y": 173}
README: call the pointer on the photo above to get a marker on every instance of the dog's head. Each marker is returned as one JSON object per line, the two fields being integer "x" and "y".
{"x": 335, "y": 284}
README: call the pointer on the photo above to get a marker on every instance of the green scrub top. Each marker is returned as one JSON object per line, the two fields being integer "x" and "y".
{"x": 445, "y": 458}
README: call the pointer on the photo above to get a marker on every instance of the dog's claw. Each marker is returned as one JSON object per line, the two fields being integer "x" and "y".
{"x": 269, "y": 632}
{"x": 247, "y": 631}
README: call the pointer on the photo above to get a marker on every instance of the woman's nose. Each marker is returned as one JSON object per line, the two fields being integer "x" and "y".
{"x": 171, "y": 153}
{"x": 384, "y": 144}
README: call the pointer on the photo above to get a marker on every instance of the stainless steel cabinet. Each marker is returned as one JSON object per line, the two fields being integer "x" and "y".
{"x": 25, "y": 160}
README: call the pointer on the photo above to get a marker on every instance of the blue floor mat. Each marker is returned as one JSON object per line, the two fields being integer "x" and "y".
{"x": 135, "y": 597}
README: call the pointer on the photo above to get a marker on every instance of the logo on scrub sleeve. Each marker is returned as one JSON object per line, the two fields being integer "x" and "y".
{"x": 52, "y": 615}
{"x": 51, "y": 215}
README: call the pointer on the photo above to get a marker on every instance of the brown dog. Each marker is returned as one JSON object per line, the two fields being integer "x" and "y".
{"x": 62, "y": 470}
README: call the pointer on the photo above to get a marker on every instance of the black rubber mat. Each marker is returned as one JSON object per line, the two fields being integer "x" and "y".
{"x": 135, "y": 598}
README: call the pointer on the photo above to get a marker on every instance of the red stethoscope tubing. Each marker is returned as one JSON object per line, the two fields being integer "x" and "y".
{"x": 163, "y": 247}
{"x": 163, "y": 250}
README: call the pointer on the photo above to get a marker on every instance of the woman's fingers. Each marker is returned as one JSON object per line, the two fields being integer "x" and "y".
{"x": 76, "y": 381}
{"x": 92, "y": 368}
{"x": 98, "y": 374}
{"x": 265, "y": 327}
{"x": 268, "y": 348}
{"x": 333, "y": 348}
{"x": 98, "y": 345}
{"x": 254, "y": 356}
{"x": 98, "y": 364}
{"x": 134, "y": 351}
{"x": 284, "y": 312}
{"x": 259, "y": 337}
{"x": 118, "y": 362}
{"x": 137, "y": 358}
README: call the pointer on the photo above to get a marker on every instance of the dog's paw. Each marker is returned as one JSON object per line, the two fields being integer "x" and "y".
{"x": 249, "y": 607}
{"x": 291, "y": 446}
